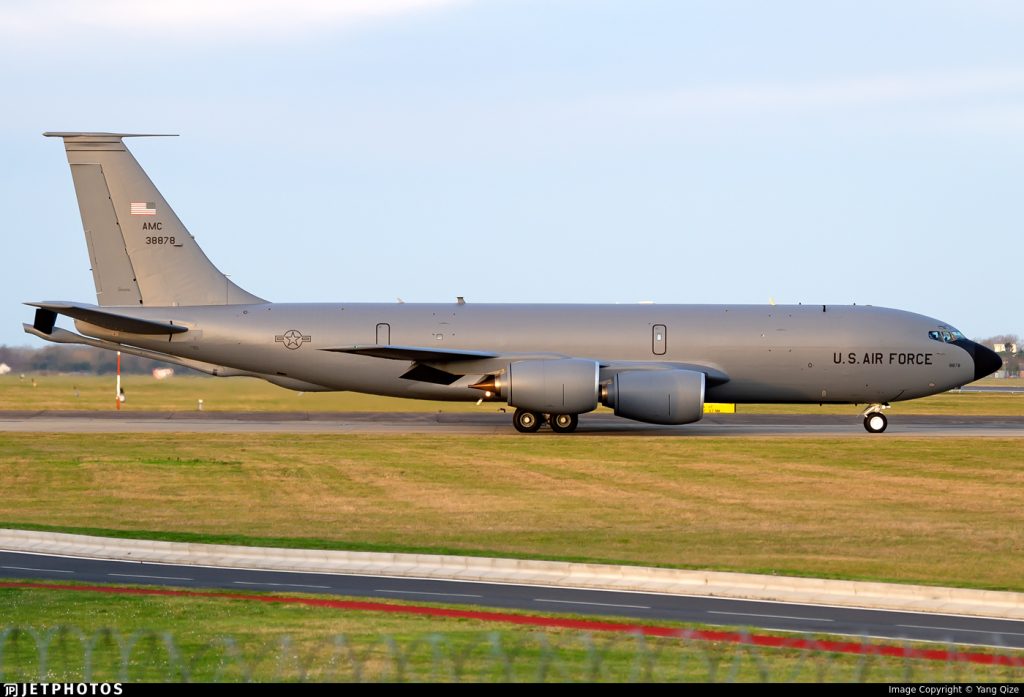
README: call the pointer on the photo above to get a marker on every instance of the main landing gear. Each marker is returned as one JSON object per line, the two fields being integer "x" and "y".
{"x": 874, "y": 419}
{"x": 530, "y": 421}
{"x": 526, "y": 421}
{"x": 563, "y": 423}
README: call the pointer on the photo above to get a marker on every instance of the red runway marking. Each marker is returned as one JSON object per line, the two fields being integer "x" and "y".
{"x": 765, "y": 640}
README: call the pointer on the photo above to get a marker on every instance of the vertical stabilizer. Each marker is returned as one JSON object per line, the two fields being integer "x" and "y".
{"x": 141, "y": 253}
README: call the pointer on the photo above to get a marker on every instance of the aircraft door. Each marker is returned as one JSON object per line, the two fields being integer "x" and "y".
{"x": 383, "y": 334}
{"x": 659, "y": 339}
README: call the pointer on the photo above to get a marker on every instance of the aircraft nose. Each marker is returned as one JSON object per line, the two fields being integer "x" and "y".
{"x": 986, "y": 361}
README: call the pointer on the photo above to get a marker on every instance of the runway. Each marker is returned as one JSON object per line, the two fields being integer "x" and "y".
{"x": 495, "y": 423}
{"x": 992, "y": 389}
{"x": 787, "y": 617}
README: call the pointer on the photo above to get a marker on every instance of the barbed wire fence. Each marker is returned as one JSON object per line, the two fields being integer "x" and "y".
{"x": 69, "y": 654}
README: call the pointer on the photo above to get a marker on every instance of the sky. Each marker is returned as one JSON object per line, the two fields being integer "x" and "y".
{"x": 718, "y": 151}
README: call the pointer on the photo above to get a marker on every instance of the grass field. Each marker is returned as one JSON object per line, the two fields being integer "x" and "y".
{"x": 218, "y": 639}
{"x": 250, "y": 394}
{"x": 944, "y": 511}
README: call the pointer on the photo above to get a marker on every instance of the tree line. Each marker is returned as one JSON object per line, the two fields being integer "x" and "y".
{"x": 77, "y": 359}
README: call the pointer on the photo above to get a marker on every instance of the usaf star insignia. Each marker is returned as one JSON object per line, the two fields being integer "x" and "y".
{"x": 292, "y": 339}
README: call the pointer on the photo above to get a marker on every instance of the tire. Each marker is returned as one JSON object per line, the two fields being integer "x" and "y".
{"x": 526, "y": 421}
{"x": 564, "y": 423}
{"x": 875, "y": 422}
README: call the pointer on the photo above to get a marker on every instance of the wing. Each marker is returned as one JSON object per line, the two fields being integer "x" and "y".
{"x": 446, "y": 366}
{"x": 424, "y": 354}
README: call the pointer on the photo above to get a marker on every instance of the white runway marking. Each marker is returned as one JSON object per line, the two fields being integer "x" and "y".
{"x": 277, "y": 585}
{"x": 774, "y": 617}
{"x": 443, "y": 595}
{"x": 162, "y": 578}
{"x": 29, "y": 568}
{"x": 580, "y": 602}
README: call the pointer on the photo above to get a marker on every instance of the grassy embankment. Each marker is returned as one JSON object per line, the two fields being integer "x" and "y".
{"x": 286, "y": 642}
{"x": 944, "y": 511}
{"x": 250, "y": 394}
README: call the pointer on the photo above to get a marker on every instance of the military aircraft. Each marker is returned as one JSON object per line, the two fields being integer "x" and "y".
{"x": 159, "y": 296}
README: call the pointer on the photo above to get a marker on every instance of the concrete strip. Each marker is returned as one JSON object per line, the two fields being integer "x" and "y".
{"x": 888, "y": 596}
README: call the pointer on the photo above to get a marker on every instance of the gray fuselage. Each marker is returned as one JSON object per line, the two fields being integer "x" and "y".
{"x": 777, "y": 353}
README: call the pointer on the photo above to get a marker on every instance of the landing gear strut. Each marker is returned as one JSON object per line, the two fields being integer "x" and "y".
{"x": 874, "y": 419}
{"x": 526, "y": 421}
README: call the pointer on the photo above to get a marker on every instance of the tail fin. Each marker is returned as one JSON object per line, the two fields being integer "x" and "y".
{"x": 141, "y": 253}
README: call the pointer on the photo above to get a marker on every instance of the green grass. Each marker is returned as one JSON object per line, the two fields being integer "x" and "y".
{"x": 219, "y": 639}
{"x": 180, "y": 393}
{"x": 250, "y": 394}
{"x": 944, "y": 511}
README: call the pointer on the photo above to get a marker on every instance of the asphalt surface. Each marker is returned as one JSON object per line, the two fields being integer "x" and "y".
{"x": 494, "y": 423}
{"x": 646, "y": 607}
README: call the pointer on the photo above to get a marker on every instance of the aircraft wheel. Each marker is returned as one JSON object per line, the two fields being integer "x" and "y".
{"x": 875, "y": 422}
{"x": 564, "y": 423}
{"x": 526, "y": 421}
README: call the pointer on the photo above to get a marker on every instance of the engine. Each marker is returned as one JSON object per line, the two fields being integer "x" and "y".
{"x": 558, "y": 386}
{"x": 656, "y": 396}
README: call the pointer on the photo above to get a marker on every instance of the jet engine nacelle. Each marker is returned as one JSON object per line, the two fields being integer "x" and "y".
{"x": 556, "y": 386}
{"x": 657, "y": 396}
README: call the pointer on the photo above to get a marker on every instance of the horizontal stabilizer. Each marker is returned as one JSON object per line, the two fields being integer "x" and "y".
{"x": 87, "y": 135}
{"x": 63, "y": 336}
{"x": 110, "y": 320}
{"x": 424, "y": 354}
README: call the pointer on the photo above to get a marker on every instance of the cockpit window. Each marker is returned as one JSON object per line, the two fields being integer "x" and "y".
{"x": 947, "y": 336}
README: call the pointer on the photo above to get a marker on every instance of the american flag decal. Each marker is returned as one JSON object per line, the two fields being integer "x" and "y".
{"x": 143, "y": 208}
